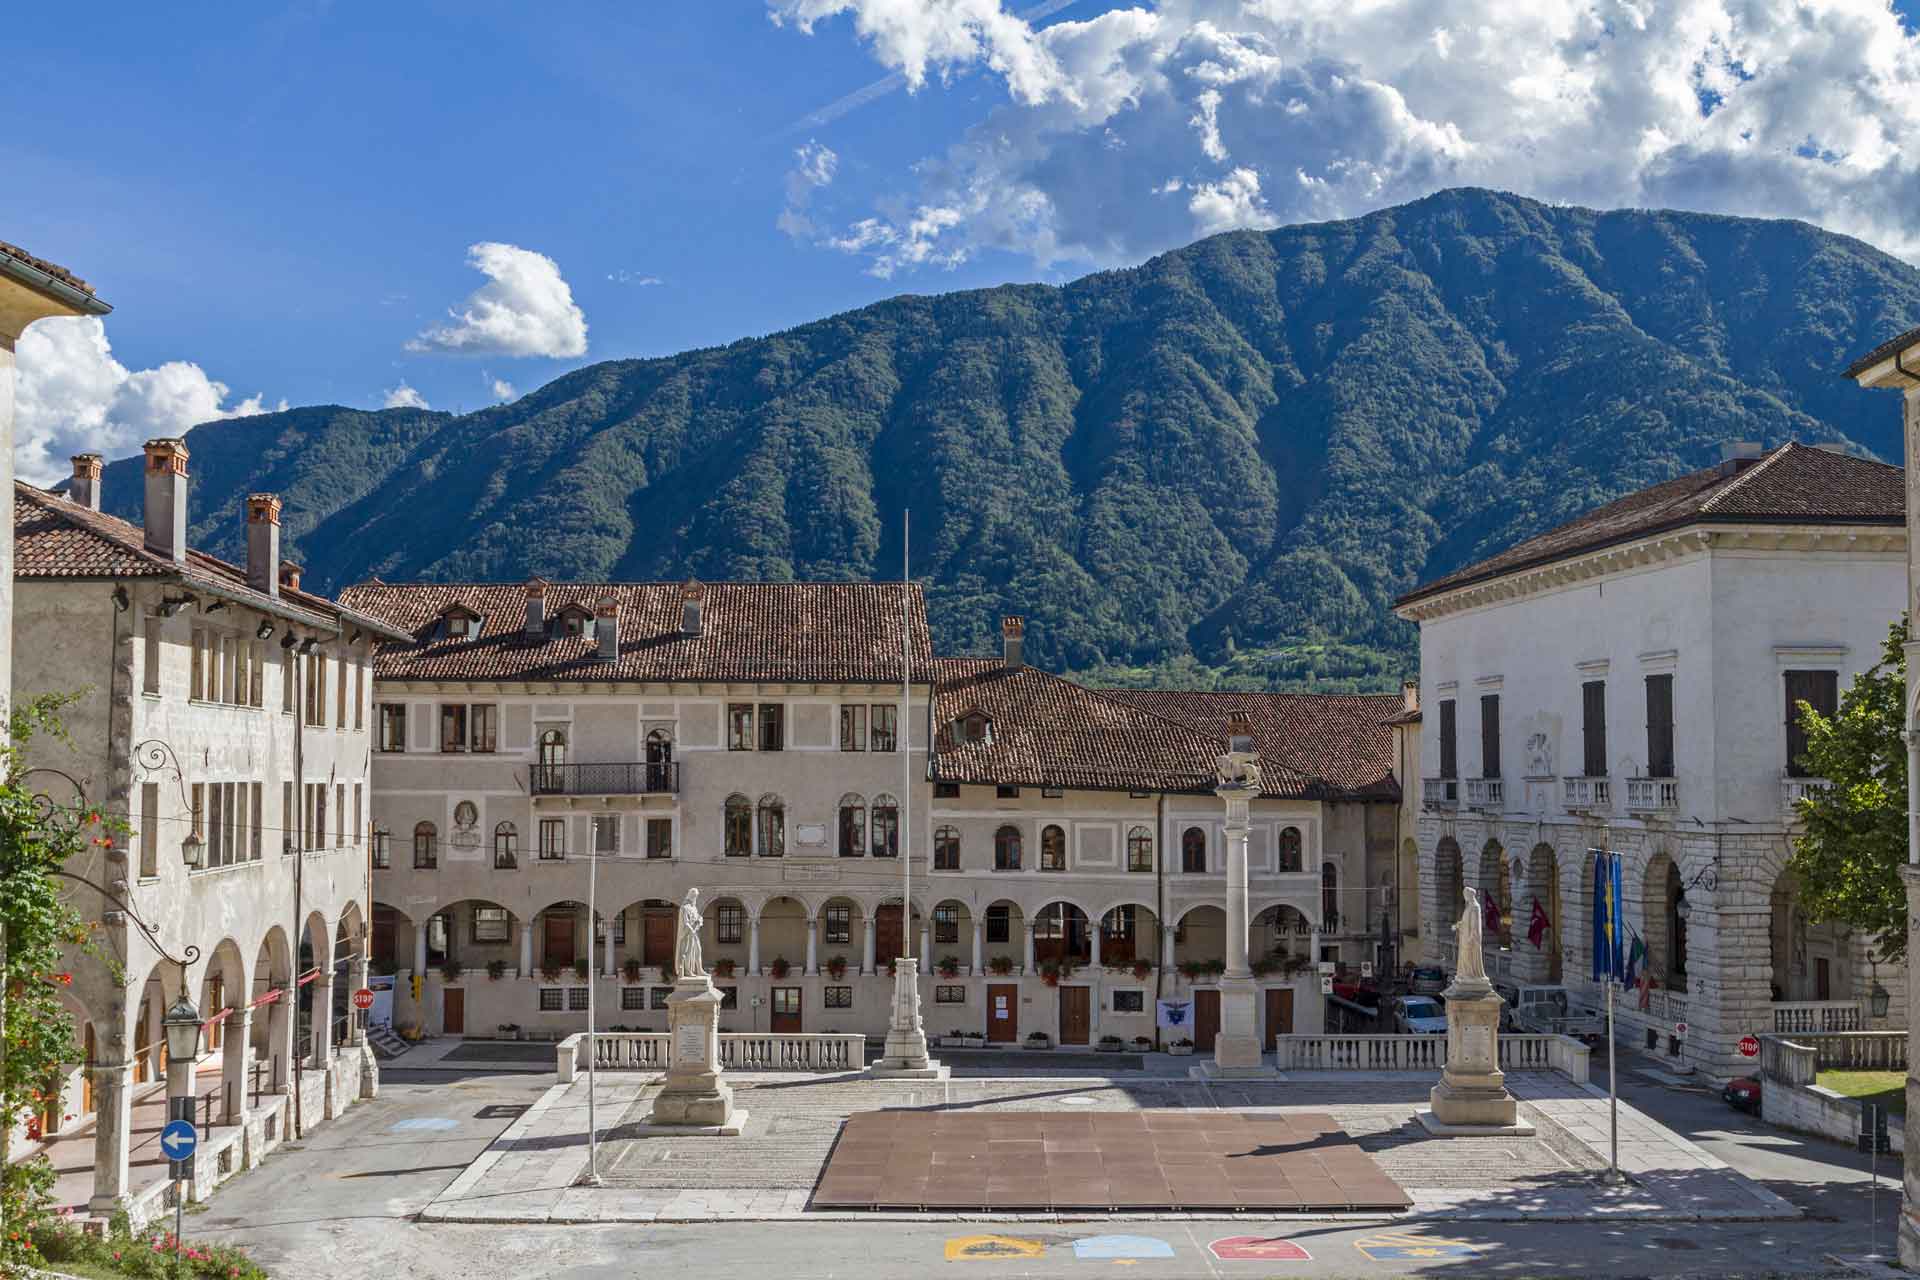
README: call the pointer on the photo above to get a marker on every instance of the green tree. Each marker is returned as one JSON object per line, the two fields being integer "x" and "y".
{"x": 1848, "y": 857}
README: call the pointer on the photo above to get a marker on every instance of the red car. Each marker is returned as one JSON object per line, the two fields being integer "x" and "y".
{"x": 1742, "y": 1093}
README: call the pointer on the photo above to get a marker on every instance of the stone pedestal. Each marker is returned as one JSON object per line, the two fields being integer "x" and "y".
{"x": 1471, "y": 1099}
{"x": 694, "y": 1098}
{"x": 1236, "y": 1046}
{"x": 906, "y": 1055}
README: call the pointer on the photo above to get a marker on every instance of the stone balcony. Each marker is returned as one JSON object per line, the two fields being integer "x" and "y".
{"x": 1793, "y": 790}
{"x": 1487, "y": 793}
{"x": 1653, "y": 795}
{"x": 1440, "y": 793}
{"x": 1586, "y": 794}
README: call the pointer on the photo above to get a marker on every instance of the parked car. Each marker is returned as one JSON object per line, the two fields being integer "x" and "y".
{"x": 1428, "y": 980}
{"x": 1550, "y": 1010}
{"x": 1419, "y": 1016}
{"x": 1742, "y": 1093}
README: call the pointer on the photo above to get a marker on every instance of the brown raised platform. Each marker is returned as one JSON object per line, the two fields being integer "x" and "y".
{"x": 1037, "y": 1160}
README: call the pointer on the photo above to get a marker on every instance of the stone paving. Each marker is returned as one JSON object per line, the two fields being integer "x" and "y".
{"x": 529, "y": 1173}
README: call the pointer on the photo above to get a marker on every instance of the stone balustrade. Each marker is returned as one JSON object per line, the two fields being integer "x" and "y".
{"x": 1798, "y": 1017}
{"x": 739, "y": 1051}
{"x": 1424, "y": 1053}
{"x": 1798, "y": 1059}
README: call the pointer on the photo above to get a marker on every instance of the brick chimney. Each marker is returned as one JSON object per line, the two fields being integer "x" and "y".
{"x": 263, "y": 543}
{"x": 536, "y": 623}
{"x": 1409, "y": 695}
{"x": 693, "y": 600}
{"x": 289, "y": 576}
{"x": 165, "y": 513}
{"x": 1013, "y": 630}
{"x": 1240, "y": 734}
{"x": 1742, "y": 453}
{"x": 606, "y": 628}
{"x": 85, "y": 489}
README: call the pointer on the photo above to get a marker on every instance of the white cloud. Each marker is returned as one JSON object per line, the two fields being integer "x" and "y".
{"x": 72, "y": 396}
{"x": 634, "y": 278}
{"x": 813, "y": 168}
{"x": 501, "y": 389}
{"x": 404, "y": 397}
{"x": 1268, "y": 111}
{"x": 525, "y": 309}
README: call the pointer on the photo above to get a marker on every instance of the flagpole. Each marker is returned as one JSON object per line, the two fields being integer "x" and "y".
{"x": 1613, "y": 1097}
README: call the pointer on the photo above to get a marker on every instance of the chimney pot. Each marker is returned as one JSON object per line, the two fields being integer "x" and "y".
{"x": 289, "y": 575}
{"x": 1409, "y": 695}
{"x": 85, "y": 489}
{"x": 263, "y": 543}
{"x": 536, "y": 623}
{"x": 693, "y": 599}
{"x": 1240, "y": 734}
{"x": 1013, "y": 630}
{"x": 606, "y": 628}
{"x": 165, "y": 513}
{"x": 1739, "y": 450}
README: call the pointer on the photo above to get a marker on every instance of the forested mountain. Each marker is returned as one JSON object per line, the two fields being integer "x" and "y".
{"x": 1233, "y": 456}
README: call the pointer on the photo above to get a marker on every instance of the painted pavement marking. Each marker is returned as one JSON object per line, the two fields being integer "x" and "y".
{"x": 1258, "y": 1249}
{"x": 1121, "y": 1248}
{"x": 423, "y": 1124}
{"x": 1396, "y": 1246}
{"x": 989, "y": 1248}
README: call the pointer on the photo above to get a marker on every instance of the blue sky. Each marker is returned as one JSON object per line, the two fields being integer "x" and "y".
{"x": 281, "y": 199}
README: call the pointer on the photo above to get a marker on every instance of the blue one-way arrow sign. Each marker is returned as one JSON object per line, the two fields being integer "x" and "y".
{"x": 179, "y": 1139}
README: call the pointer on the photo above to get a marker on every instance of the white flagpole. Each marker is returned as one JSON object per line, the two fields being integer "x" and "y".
{"x": 593, "y": 976}
{"x": 1613, "y": 1096}
{"x": 902, "y": 735}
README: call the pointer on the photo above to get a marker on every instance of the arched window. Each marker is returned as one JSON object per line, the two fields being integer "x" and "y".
{"x": 946, "y": 849}
{"x": 1193, "y": 851}
{"x": 886, "y": 827}
{"x": 382, "y": 849}
{"x": 773, "y": 827}
{"x": 1329, "y": 897}
{"x": 553, "y": 747}
{"x": 426, "y": 846}
{"x": 506, "y": 846}
{"x": 853, "y": 826}
{"x": 660, "y": 761}
{"x": 1006, "y": 849}
{"x": 1053, "y": 848}
{"x": 739, "y": 826}
{"x": 1290, "y": 849}
{"x": 550, "y": 772}
{"x": 1140, "y": 849}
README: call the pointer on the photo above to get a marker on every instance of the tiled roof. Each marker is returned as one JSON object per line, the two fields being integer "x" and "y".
{"x": 53, "y": 269}
{"x": 1794, "y": 484}
{"x": 56, "y": 538}
{"x": 1322, "y": 745}
{"x": 1881, "y": 352}
{"x": 752, "y": 633}
{"x": 1050, "y": 732}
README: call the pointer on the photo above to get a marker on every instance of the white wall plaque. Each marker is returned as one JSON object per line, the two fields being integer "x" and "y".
{"x": 690, "y": 1044}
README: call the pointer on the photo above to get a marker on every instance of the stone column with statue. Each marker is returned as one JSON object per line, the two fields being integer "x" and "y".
{"x": 1471, "y": 1099}
{"x": 1236, "y": 1046}
{"x": 694, "y": 1097}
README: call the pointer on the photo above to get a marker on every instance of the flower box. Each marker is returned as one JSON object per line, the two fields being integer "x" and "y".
{"x": 1039, "y": 1042}
{"x": 1180, "y": 1050}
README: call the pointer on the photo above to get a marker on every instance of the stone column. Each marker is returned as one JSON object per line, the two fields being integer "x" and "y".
{"x": 419, "y": 952}
{"x": 924, "y": 961}
{"x": 322, "y": 1020}
{"x": 608, "y": 966}
{"x": 1236, "y": 1049}
{"x": 979, "y": 938}
{"x": 1093, "y": 944}
{"x": 753, "y": 945}
{"x": 1166, "y": 947}
{"x": 235, "y": 1051}
{"x": 1026, "y": 944}
{"x": 869, "y": 964}
{"x": 813, "y": 950}
{"x": 526, "y": 948}
{"x": 113, "y": 1122}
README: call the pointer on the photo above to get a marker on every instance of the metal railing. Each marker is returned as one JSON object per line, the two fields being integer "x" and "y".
{"x": 1653, "y": 795}
{"x": 1586, "y": 793}
{"x": 1816, "y": 1016}
{"x": 627, "y": 778}
{"x": 1486, "y": 793}
{"x": 739, "y": 1051}
{"x": 1440, "y": 793}
{"x": 1794, "y": 790}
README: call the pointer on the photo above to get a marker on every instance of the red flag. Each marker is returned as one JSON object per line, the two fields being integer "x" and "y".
{"x": 1492, "y": 914}
{"x": 1538, "y": 925}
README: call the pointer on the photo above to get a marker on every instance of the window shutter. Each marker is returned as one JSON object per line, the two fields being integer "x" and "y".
{"x": 1593, "y": 726}
{"x": 1819, "y": 690}
{"x": 1490, "y": 735}
{"x": 1660, "y": 726}
{"x": 1448, "y": 745}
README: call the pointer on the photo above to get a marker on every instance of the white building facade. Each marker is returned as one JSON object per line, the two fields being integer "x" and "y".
{"x": 1628, "y": 681}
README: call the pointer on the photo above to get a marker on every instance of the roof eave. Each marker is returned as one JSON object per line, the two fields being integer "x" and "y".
{"x": 52, "y": 287}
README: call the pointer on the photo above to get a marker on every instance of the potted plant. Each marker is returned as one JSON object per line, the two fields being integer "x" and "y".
{"x": 1216, "y": 967}
{"x": 496, "y": 970}
{"x": 451, "y": 971}
{"x": 631, "y": 969}
{"x": 1181, "y": 1048}
{"x": 974, "y": 1040}
{"x": 836, "y": 967}
{"x": 1039, "y": 1040}
{"x": 724, "y": 967}
{"x": 551, "y": 971}
{"x": 1141, "y": 969}
{"x": 1262, "y": 967}
{"x": 1141, "y": 1044}
{"x": 1050, "y": 973}
{"x": 949, "y": 966}
{"x": 581, "y": 969}
{"x": 1109, "y": 1044}
{"x": 1000, "y": 965}
{"x": 508, "y": 1030}
{"x": 1193, "y": 970}
{"x": 779, "y": 968}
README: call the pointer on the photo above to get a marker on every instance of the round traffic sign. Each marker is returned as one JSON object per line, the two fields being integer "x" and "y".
{"x": 179, "y": 1139}
{"x": 363, "y": 998}
{"x": 1680, "y": 1029}
{"x": 1750, "y": 1046}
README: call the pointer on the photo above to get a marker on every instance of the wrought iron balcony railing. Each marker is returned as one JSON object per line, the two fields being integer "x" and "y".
{"x": 622, "y": 779}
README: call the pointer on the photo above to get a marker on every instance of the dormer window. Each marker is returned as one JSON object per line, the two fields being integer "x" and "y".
{"x": 459, "y": 622}
{"x": 573, "y": 620}
{"x": 973, "y": 726}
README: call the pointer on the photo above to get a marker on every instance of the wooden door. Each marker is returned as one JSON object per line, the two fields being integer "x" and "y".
{"x": 1206, "y": 1020}
{"x": 656, "y": 941}
{"x": 1279, "y": 1013}
{"x": 786, "y": 1011}
{"x": 1075, "y": 1014}
{"x": 1003, "y": 1013}
{"x": 86, "y": 1073}
{"x": 453, "y": 1015}
{"x": 384, "y": 922}
{"x": 886, "y": 936}
{"x": 559, "y": 940}
{"x": 1822, "y": 980}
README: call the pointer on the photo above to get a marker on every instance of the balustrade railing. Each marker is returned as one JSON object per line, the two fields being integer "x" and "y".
{"x": 1486, "y": 793}
{"x": 739, "y": 1051}
{"x": 1440, "y": 793}
{"x": 1801, "y": 1016}
{"x": 1797, "y": 1059}
{"x": 1424, "y": 1053}
{"x": 1794, "y": 790}
{"x": 1587, "y": 793}
{"x": 1653, "y": 795}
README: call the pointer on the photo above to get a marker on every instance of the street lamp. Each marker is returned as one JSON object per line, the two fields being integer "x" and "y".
{"x": 1878, "y": 1000}
{"x": 193, "y": 851}
{"x": 1683, "y": 908}
{"x": 182, "y": 1027}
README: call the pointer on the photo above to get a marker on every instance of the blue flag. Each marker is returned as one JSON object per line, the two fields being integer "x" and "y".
{"x": 1616, "y": 902}
{"x": 1602, "y": 953}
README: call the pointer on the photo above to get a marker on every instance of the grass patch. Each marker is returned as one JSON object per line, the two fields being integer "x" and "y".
{"x": 1881, "y": 1088}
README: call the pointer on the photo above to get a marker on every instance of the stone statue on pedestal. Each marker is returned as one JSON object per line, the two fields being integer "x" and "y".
{"x": 694, "y": 1098}
{"x": 1471, "y": 1098}
{"x": 686, "y": 940}
{"x": 1469, "y": 932}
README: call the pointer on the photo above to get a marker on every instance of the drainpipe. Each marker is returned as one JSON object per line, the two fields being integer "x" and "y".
{"x": 1159, "y": 911}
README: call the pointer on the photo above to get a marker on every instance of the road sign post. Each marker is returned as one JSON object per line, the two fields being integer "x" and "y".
{"x": 178, "y": 1142}
{"x": 1749, "y": 1046}
{"x": 363, "y": 999}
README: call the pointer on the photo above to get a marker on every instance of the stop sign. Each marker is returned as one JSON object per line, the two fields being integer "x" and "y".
{"x": 363, "y": 998}
{"x": 1750, "y": 1046}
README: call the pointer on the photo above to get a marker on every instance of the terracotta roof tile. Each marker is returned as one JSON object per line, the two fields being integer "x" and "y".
{"x": 752, "y": 633}
{"x": 1794, "y": 484}
{"x": 53, "y": 269}
{"x": 1881, "y": 352}
{"x": 1318, "y": 745}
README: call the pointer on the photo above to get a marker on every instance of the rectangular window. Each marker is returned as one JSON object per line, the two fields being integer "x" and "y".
{"x": 150, "y": 655}
{"x": 606, "y": 833}
{"x": 659, "y": 837}
{"x": 853, "y": 728}
{"x": 839, "y": 925}
{"x": 339, "y": 814}
{"x": 490, "y": 924}
{"x": 257, "y": 843}
{"x": 1449, "y": 740}
{"x": 359, "y": 816}
{"x": 259, "y": 690}
{"x": 198, "y": 689}
{"x": 729, "y": 920}
{"x": 286, "y": 680}
{"x": 999, "y": 924}
{"x": 553, "y": 839}
{"x": 1660, "y": 726}
{"x": 1004, "y": 792}
{"x": 317, "y": 689}
{"x": 453, "y": 727}
{"x": 288, "y": 818}
{"x": 786, "y": 1000}
{"x": 886, "y": 720}
{"x": 484, "y": 725}
{"x": 839, "y": 998}
{"x": 216, "y": 825}
{"x": 632, "y": 998}
{"x": 551, "y": 1000}
{"x": 1129, "y": 1002}
{"x": 359, "y": 695}
{"x": 1490, "y": 735}
{"x": 382, "y": 851}
{"x": 577, "y": 999}
{"x": 393, "y": 727}
{"x": 946, "y": 791}
{"x": 729, "y": 999}
{"x": 740, "y": 726}
{"x": 946, "y": 923}
{"x": 149, "y": 828}
{"x": 1819, "y": 690}
{"x": 772, "y": 726}
{"x": 955, "y": 994}
{"x": 661, "y": 996}
{"x": 1593, "y": 728}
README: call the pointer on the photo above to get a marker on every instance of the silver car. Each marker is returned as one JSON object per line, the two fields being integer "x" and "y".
{"x": 1419, "y": 1016}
